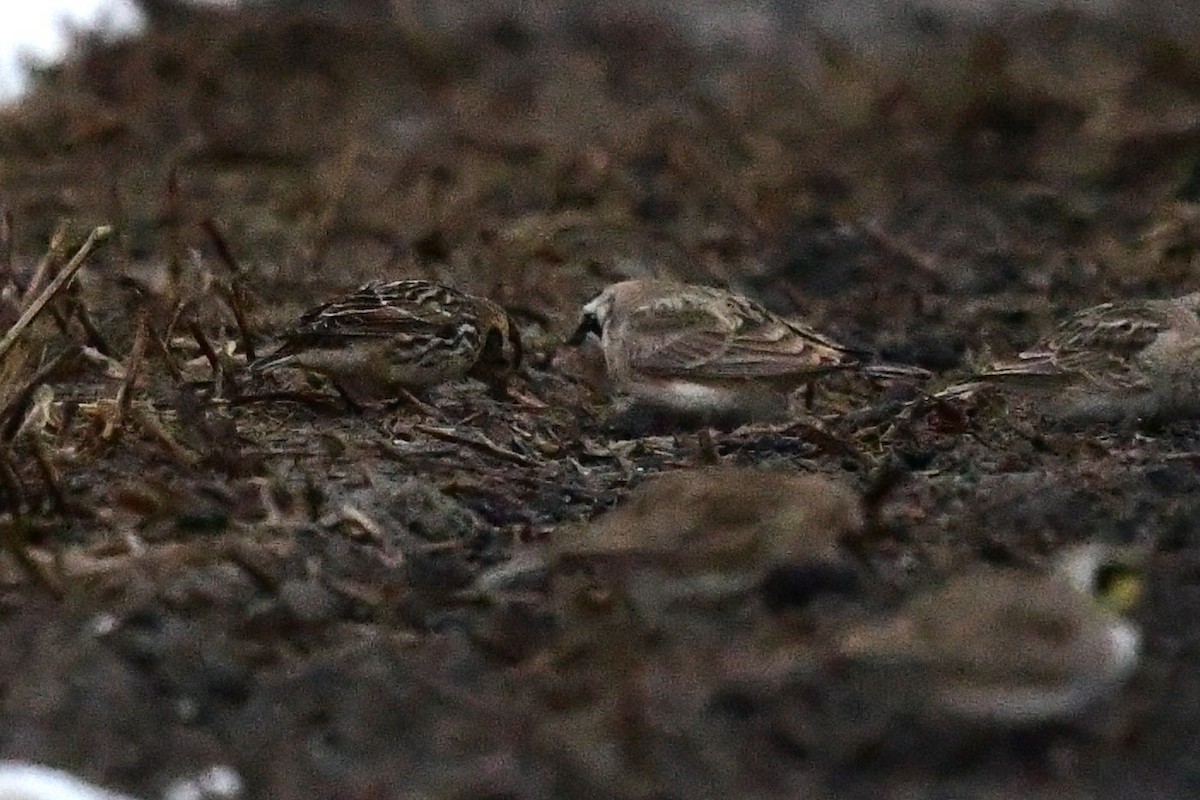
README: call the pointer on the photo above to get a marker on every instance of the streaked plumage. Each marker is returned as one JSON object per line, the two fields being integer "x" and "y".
{"x": 701, "y": 349}
{"x": 1013, "y": 647}
{"x": 1115, "y": 361}
{"x": 407, "y": 334}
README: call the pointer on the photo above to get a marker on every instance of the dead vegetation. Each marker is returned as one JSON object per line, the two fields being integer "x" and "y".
{"x": 202, "y": 569}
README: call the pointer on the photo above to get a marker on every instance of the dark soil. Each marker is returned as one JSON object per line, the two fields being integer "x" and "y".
{"x": 204, "y": 569}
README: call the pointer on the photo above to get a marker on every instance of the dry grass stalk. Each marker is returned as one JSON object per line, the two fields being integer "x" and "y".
{"x": 9, "y": 412}
{"x": 53, "y": 253}
{"x": 152, "y": 425}
{"x": 234, "y": 294}
{"x": 221, "y": 375}
{"x": 478, "y": 442}
{"x": 15, "y": 534}
{"x": 6, "y": 245}
{"x": 35, "y": 307}
{"x": 133, "y": 369}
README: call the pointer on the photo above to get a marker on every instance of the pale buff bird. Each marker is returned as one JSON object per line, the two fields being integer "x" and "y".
{"x": 1112, "y": 362}
{"x": 385, "y": 337}
{"x": 707, "y": 536}
{"x": 1010, "y": 647}
{"x": 705, "y": 352}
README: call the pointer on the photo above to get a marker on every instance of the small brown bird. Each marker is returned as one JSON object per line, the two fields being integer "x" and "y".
{"x": 700, "y": 537}
{"x": 1012, "y": 647}
{"x": 1113, "y": 362}
{"x": 703, "y": 351}
{"x": 388, "y": 337}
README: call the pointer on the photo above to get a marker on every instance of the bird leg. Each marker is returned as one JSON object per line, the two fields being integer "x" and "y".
{"x": 347, "y": 398}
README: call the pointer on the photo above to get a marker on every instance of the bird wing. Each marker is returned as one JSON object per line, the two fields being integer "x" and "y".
{"x": 383, "y": 310}
{"x": 395, "y": 308}
{"x": 1098, "y": 345}
{"x": 719, "y": 337}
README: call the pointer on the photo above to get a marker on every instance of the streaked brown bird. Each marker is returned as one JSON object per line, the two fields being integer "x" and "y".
{"x": 387, "y": 337}
{"x": 1011, "y": 647}
{"x": 702, "y": 537}
{"x": 699, "y": 350}
{"x": 1112, "y": 362}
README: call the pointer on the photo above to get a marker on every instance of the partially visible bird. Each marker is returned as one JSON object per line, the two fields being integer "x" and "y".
{"x": 1112, "y": 362}
{"x": 703, "y": 351}
{"x": 1011, "y": 647}
{"x": 385, "y": 338}
{"x": 703, "y": 537}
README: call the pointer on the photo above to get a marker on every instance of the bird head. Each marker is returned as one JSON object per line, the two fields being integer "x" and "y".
{"x": 502, "y": 352}
{"x": 595, "y": 315}
{"x": 1113, "y": 575}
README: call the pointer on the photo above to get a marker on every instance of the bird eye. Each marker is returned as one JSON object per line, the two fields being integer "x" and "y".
{"x": 588, "y": 323}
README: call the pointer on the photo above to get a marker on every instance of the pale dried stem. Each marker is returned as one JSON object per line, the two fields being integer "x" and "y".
{"x": 53, "y": 288}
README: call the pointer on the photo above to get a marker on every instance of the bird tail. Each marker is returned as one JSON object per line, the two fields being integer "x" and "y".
{"x": 1028, "y": 373}
{"x": 960, "y": 391}
{"x": 1027, "y": 376}
{"x": 887, "y": 371}
{"x": 281, "y": 357}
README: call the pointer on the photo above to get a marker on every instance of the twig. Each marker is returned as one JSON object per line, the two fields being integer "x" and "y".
{"x": 33, "y": 309}
{"x": 179, "y": 307}
{"x": 828, "y": 442}
{"x": 43, "y": 266}
{"x": 172, "y": 220}
{"x": 328, "y": 214}
{"x": 21, "y": 397}
{"x": 480, "y": 443}
{"x": 234, "y": 295}
{"x": 224, "y": 254}
{"x": 152, "y": 425}
{"x": 49, "y": 473}
{"x": 15, "y": 533}
{"x": 405, "y": 397}
{"x": 166, "y": 357}
{"x": 6, "y": 243}
{"x": 394, "y": 453}
{"x": 315, "y": 402}
{"x": 220, "y": 375}
{"x": 133, "y": 368}
{"x": 906, "y": 252}
{"x": 10, "y": 480}
{"x": 707, "y": 448}
{"x": 80, "y": 310}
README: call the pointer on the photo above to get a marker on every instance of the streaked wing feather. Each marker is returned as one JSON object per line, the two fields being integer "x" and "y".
{"x": 744, "y": 342}
{"x": 1104, "y": 370}
{"x": 1097, "y": 345}
{"x": 1124, "y": 329}
{"x": 399, "y": 308}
